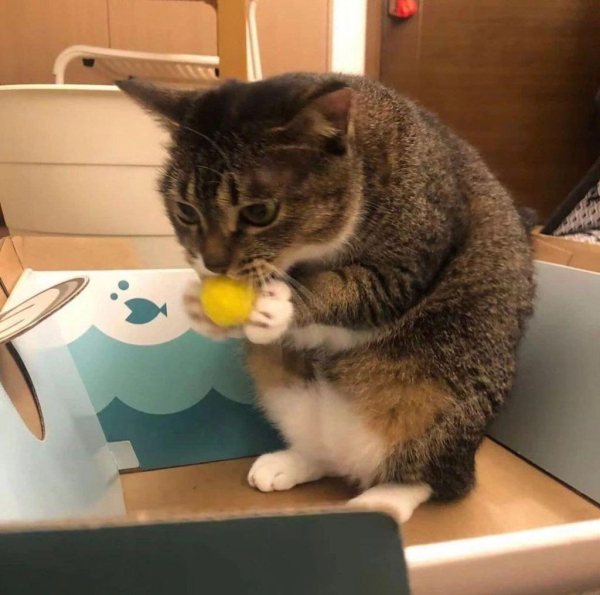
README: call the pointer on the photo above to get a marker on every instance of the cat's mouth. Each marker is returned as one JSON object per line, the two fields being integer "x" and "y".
{"x": 261, "y": 271}
{"x": 257, "y": 272}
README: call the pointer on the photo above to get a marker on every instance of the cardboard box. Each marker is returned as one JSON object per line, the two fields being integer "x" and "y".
{"x": 200, "y": 528}
{"x": 553, "y": 415}
{"x": 164, "y": 395}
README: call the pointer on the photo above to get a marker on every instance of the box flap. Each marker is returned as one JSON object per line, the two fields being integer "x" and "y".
{"x": 560, "y": 559}
{"x": 335, "y": 553}
{"x": 69, "y": 472}
{"x": 578, "y": 255}
{"x": 552, "y": 415}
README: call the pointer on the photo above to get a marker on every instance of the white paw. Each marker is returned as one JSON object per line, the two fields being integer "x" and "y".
{"x": 282, "y": 470}
{"x": 198, "y": 319}
{"x": 272, "y": 314}
{"x": 398, "y": 500}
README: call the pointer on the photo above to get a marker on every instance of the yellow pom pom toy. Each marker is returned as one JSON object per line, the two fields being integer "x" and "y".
{"x": 227, "y": 302}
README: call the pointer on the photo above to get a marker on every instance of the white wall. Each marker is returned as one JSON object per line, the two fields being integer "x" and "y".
{"x": 348, "y": 36}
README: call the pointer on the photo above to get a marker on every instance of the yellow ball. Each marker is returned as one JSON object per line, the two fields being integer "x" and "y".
{"x": 227, "y": 302}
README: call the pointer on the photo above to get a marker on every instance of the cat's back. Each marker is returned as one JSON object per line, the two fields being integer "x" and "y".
{"x": 434, "y": 164}
{"x": 484, "y": 288}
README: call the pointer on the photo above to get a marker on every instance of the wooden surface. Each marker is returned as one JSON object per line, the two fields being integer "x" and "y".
{"x": 517, "y": 78}
{"x": 73, "y": 253}
{"x": 510, "y": 496}
{"x": 376, "y": 11}
{"x": 294, "y": 35}
{"x": 231, "y": 28}
{"x": 34, "y": 32}
{"x": 163, "y": 26}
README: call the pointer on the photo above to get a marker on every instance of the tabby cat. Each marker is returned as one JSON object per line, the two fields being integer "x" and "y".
{"x": 395, "y": 275}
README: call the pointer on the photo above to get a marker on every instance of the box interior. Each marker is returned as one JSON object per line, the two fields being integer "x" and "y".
{"x": 511, "y": 494}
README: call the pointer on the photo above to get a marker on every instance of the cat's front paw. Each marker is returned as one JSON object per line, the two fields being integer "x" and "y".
{"x": 278, "y": 471}
{"x": 272, "y": 314}
{"x": 198, "y": 319}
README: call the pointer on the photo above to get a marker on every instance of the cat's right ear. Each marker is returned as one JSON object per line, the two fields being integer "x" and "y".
{"x": 326, "y": 117}
{"x": 170, "y": 106}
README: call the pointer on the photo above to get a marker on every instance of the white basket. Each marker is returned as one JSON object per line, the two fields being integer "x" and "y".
{"x": 79, "y": 159}
{"x": 180, "y": 68}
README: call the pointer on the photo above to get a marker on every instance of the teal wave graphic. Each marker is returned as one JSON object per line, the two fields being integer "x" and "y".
{"x": 213, "y": 429}
{"x": 160, "y": 379}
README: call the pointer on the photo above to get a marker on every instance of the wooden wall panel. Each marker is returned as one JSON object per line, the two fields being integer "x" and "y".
{"x": 34, "y": 32}
{"x": 515, "y": 77}
{"x": 294, "y": 35}
{"x": 376, "y": 9}
{"x": 231, "y": 39}
{"x": 163, "y": 26}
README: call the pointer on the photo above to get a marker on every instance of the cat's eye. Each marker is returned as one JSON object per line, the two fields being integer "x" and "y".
{"x": 259, "y": 214}
{"x": 186, "y": 213}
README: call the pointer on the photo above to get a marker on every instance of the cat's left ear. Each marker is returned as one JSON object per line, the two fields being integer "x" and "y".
{"x": 170, "y": 106}
{"x": 326, "y": 117}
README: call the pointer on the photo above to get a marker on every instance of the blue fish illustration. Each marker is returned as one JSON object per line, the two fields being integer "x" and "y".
{"x": 143, "y": 311}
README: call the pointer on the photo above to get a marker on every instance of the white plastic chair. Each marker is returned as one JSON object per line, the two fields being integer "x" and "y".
{"x": 180, "y": 68}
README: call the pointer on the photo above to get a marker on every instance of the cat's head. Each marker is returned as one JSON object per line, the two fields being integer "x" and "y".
{"x": 259, "y": 174}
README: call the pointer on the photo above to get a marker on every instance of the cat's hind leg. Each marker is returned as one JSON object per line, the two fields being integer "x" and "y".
{"x": 449, "y": 476}
{"x": 398, "y": 500}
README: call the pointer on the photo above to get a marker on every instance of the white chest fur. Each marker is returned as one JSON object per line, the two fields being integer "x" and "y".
{"x": 321, "y": 425}
{"x": 334, "y": 338}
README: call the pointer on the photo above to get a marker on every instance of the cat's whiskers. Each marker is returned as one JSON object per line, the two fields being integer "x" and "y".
{"x": 261, "y": 278}
{"x": 247, "y": 270}
{"x": 170, "y": 176}
{"x": 303, "y": 298}
{"x": 219, "y": 173}
{"x": 309, "y": 295}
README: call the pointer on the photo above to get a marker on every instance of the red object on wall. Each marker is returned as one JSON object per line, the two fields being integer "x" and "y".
{"x": 403, "y": 8}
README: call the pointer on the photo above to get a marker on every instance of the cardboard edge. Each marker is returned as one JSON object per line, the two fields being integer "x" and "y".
{"x": 67, "y": 293}
{"x": 144, "y": 519}
{"x": 11, "y": 268}
{"x": 490, "y": 561}
{"x": 566, "y": 252}
{"x": 75, "y": 253}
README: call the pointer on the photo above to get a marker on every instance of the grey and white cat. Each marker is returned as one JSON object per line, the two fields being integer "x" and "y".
{"x": 395, "y": 275}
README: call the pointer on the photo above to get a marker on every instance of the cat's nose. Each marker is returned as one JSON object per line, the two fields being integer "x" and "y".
{"x": 218, "y": 268}
{"x": 217, "y": 253}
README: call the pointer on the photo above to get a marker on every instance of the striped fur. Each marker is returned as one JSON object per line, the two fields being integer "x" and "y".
{"x": 410, "y": 268}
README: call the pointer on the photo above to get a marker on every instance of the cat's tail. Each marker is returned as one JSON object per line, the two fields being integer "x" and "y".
{"x": 529, "y": 218}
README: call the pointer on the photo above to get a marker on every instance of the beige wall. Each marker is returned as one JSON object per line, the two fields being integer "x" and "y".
{"x": 294, "y": 34}
{"x": 34, "y": 32}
